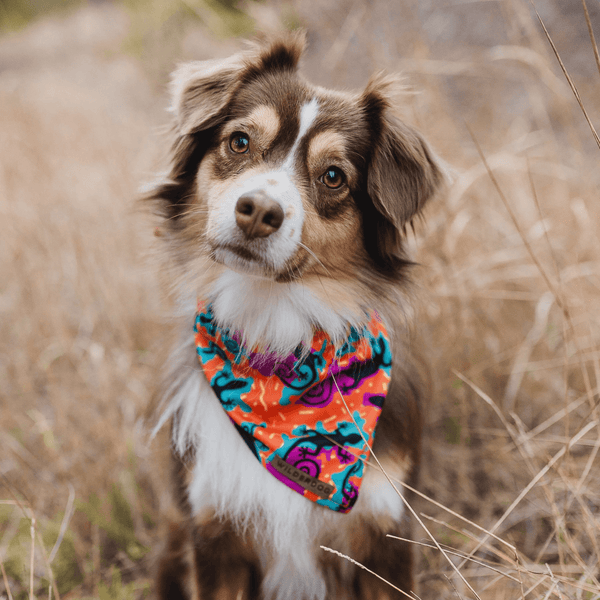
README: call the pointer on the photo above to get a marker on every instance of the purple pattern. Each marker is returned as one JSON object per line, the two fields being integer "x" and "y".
{"x": 305, "y": 460}
{"x": 269, "y": 363}
{"x": 319, "y": 395}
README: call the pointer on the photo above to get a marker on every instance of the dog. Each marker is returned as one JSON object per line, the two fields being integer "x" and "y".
{"x": 284, "y": 216}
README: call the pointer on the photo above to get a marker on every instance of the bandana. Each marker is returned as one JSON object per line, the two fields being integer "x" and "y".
{"x": 289, "y": 412}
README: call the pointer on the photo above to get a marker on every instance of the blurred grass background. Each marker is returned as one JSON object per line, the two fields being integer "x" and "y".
{"x": 510, "y": 274}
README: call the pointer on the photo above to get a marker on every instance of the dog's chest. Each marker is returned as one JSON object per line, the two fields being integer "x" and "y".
{"x": 228, "y": 480}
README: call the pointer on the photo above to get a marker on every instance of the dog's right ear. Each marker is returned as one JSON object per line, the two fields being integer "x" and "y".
{"x": 202, "y": 90}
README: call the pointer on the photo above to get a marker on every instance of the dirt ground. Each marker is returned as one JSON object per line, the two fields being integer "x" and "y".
{"x": 509, "y": 281}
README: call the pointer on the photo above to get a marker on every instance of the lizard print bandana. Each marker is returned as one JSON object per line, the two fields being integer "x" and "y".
{"x": 289, "y": 412}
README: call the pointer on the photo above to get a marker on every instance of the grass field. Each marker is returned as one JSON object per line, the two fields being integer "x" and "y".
{"x": 509, "y": 278}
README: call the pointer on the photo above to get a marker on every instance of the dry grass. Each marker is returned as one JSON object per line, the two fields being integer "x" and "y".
{"x": 510, "y": 273}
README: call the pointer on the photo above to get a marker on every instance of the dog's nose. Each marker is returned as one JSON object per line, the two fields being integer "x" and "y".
{"x": 258, "y": 215}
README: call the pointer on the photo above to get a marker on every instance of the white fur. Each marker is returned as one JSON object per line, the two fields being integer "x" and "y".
{"x": 280, "y": 316}
{"x": 308, "y": 115}
{"x": 377, "y": 496}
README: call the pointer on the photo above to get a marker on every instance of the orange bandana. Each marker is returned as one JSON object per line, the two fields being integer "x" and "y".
{"x": 289, "y": 411}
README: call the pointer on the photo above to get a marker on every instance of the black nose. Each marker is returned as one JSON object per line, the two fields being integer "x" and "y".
{"x": 258, "y": 215}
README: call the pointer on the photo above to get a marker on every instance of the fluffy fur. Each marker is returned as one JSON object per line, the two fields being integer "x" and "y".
{"x": 320, "y": 255}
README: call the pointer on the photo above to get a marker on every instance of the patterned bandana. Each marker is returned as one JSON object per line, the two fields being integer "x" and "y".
{"x": 289, "y": 411}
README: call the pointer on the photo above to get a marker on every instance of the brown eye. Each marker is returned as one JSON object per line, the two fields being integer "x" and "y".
{"x": 333, "y": 178}
{"x": 239, "y": 142}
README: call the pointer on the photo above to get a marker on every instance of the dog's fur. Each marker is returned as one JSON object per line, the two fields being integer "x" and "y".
{"x": 330, "y": 256}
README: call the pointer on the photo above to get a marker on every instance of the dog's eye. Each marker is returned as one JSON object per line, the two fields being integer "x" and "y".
{"x": 239, "y": 142}
{"x": 333, "y": 178}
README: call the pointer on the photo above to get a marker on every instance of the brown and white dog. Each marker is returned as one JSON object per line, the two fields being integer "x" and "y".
{"x": 285, "y": 207}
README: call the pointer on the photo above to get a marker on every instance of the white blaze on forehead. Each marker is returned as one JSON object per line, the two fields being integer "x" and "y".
{"x": 308, "y": 115}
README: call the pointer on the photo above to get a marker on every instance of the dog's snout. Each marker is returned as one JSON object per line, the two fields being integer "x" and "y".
{"x": 258, "y": 215}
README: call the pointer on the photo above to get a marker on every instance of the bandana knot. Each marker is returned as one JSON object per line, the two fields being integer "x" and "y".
{"x": 289, "y": 411}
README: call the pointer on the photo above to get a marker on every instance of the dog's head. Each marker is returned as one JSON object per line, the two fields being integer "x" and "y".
{"x": 274, "y": 177}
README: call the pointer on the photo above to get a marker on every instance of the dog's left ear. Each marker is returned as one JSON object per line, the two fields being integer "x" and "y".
{"x": 403, "y": 173}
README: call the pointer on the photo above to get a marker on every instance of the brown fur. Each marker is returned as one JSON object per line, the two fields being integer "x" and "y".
{"x": 356, "y": 259}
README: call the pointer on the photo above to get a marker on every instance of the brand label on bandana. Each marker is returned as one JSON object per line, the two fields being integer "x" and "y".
{"x": 321, "y": 489}
{"x": 289, "y": 411}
